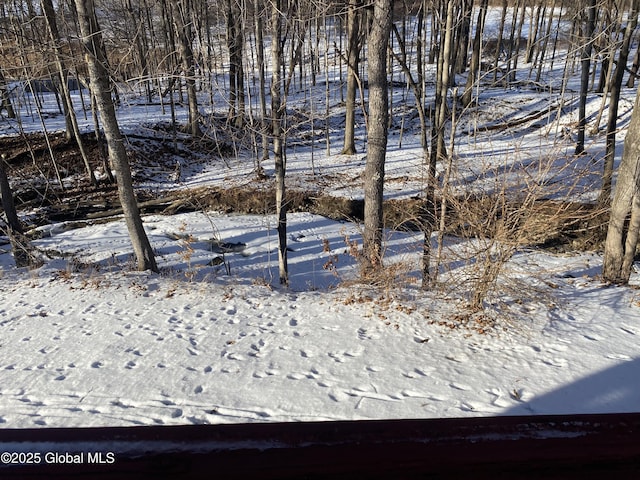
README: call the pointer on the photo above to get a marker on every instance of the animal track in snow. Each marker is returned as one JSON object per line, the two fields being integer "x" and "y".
{"x": 619, "y": 356}
{"x": 556, "y": 362}
{"x": 364, "y": 334}
{"x": 593, "y": 337}
{"x": 629, "y": 330}
{"x": 460, "y": 386}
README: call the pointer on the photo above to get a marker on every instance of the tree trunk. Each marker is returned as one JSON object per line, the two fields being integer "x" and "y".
{"x": 20, "y": 247}
{"x": 463, "y": 29}
{"x": 258, "y": 12}
{"x": 377, "y": 133}
{"x": 73, "y": 130}
{"x": 182, "y": 26}
{"x": 278, "y": 138}
{"x": 95, "y": 58}
{"x": 235, "y": 43}
{"x": 587, "y": 46}
{"x": 622, "y": 234}
{"x": 467, "y": 96}
{"x": 353, "y": 62}
{"x": 612, "y": 122}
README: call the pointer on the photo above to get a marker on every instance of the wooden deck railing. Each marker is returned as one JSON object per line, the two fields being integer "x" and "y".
{"x": 577, "y": 446}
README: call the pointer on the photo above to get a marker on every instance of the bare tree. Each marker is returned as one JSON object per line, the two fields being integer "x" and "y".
{"x": 623, "y": 232}
{"x": 184, "y": 34}
{"x": 259, "y": 28}
{"x": 235, "y": 44}
{"x": 587, "y": 46}
{"x": 354, "y": 47}
{"x": 101, "y": 87}
{"x": 475, "y": 55}
{"x": 277, "y": 131}
{"x": 377, "y": 133}
{"x": 73, "y": 131}
{"x": 616, "y": 88}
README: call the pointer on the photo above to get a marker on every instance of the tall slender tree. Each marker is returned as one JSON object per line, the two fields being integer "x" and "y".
{"x": 181, "y": 15}
{"x": 101, "y": 88}
{"x": 616, "y": 88}
{"x": 587, "y": 47}
{"x": 277, "y": 131}
{"x": 354, "y": 47}
{"x": 73, "y": 130}
{"x": 624, "y": 224}
{"x": 377, "y": 133}
{"x": 235, "y": 44}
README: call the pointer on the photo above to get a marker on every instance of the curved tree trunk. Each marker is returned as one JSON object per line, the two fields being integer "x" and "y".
{"x": 101, "y": 88}
{"x": 622, "y": 234}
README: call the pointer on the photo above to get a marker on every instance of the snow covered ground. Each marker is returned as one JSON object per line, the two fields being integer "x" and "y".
{"x": 89, "y": 346}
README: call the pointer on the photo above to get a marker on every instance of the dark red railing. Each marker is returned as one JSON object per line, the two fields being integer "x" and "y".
{"x": 577, "y": 446}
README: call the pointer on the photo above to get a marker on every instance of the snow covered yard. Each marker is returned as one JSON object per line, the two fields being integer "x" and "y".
{"x": 102, "y": 346}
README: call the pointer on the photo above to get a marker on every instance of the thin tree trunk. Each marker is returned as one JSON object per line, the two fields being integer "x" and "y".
{"x": 73, "y": 130}
{"x": 20, "y": 247}
{"x": 101, "y": 87}
{"x": 278, "y": 138}
{"x": 622, "y": 234}
{"x": 612, "y": 122}
{"x": 183, "y": 32}
{"x": 587, "y": 46}
{"x": 353, "y": 62}
{"x": 467, "y": 96}
{"x": 377, "y": 133}
{"x": 258, "y": 12}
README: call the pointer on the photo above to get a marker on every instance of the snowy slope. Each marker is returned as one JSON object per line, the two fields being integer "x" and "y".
{"x": 93, "y": 347}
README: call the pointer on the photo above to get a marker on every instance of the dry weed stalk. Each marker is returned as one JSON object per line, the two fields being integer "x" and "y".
{"x": 512, "y": 209}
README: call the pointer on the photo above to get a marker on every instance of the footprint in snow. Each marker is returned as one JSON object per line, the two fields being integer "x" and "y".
{"x": 460, "y": 386}
{"x": 338, "y": 396}
{"x": 593, "y": 337}
{"x": 619, "y": 356}
{"x": 629, "y": 330}
{"x": 556, "y": 362}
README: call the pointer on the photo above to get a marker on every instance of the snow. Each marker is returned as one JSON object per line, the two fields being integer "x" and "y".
{"x": 103, "y": 346}
{"x": 213, "y": 338}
